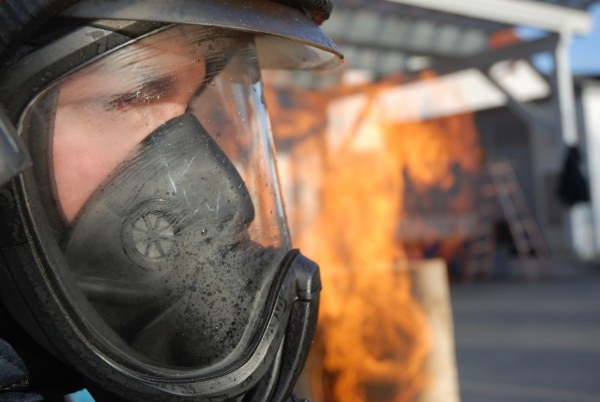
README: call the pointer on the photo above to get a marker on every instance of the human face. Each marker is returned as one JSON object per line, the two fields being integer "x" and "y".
{"x": 162, "y": 164}
{"x": 105, "y": 110}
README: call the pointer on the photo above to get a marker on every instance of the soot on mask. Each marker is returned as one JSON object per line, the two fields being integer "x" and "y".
{"x": 162, "y": 251}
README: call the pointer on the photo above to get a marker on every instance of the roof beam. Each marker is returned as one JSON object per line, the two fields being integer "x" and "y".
{"x": 384, "y": 48}
{"x": 485, "y": 60}
{"x": 535, "y": 14}
{"x": 530, "y": 113}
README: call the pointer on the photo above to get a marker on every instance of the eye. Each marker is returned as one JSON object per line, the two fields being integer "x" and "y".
{"x": 153, "y": 90}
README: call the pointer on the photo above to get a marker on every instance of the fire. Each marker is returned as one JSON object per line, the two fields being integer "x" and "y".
{"x": 503, "y": 38}
{"x": 373, "y": 338}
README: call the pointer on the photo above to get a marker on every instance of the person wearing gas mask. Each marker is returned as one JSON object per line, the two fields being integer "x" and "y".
{"x": 145, "y": 255}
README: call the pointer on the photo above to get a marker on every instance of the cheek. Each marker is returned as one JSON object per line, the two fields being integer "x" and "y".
{"x": 88, "y": 146}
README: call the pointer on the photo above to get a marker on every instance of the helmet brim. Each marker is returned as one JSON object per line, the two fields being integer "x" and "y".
{"x": 286, "y": 37}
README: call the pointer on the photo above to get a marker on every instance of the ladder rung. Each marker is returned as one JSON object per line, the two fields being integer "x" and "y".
{"x": 527, "y": 237}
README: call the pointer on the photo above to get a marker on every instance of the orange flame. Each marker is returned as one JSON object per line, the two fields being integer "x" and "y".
{"x": 373, "y": 336}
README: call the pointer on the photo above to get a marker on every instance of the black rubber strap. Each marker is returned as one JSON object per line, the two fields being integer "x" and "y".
{"x": 35, "y": 371}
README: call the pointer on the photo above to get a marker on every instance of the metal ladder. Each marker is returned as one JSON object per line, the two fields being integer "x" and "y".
{"x": 482, "y": 248}
{"x": 527, "y": 237}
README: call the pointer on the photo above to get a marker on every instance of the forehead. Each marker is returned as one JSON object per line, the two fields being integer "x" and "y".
{"x": 171, "y": 49}
{"x": 179, "y": 52}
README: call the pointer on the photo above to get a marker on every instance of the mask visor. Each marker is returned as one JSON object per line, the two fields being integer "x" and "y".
{"x": 155, "y": 166}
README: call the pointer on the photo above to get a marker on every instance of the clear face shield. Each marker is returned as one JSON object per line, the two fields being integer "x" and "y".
{"x": 157, "y": 178}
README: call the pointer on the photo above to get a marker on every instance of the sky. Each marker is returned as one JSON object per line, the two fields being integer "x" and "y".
{"x": 585, "y": 51}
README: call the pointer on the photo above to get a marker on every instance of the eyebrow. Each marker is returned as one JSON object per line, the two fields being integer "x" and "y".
{"x": 149, "y": 90}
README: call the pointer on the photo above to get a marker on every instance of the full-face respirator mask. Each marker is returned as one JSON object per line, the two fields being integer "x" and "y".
{"x": 148, "y": 246}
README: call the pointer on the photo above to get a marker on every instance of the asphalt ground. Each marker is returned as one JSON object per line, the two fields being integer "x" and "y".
{"x": 519, "y": 342}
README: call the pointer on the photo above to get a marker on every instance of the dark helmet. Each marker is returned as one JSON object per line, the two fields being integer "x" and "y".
{"x": 147, "y": 247}
{"x": 287, "y": 33}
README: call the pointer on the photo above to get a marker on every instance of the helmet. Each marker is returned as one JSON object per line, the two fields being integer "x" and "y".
{"x": 147, "y": 247}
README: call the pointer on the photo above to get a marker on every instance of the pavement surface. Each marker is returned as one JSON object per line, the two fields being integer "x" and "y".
{"x": 517, "y": 342}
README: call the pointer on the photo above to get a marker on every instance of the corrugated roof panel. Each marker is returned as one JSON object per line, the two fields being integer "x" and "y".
{"x": 423, "y": 35}
{"x": 362, "y": 58}
{"x": 337, "y": 24}
{"x": 363, "y": 27}
{"x": 394, "y": 31}
{"x": 448, "y": 39}
{"x": 472, "y": 41}
{"x": 392, "y": 62}
{"x": 383, "y": 30}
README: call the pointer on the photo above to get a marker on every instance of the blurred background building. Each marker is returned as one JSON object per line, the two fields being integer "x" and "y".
{"x": 459, "y": 143}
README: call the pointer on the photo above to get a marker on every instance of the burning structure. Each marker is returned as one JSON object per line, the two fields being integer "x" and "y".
{"x": 381, "y": 178}
{"x": 349, "y": 179}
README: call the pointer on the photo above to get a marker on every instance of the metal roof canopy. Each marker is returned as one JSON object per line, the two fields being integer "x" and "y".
{"x": 562, "y": 20}
{"x": 386, "y": 36}
{"x": 535, "y": 14}
{"x": 382, "y": 36}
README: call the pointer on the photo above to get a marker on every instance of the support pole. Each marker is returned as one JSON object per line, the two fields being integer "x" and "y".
{"x": 566, "y": 92}
{"x": 580, "y": 214}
